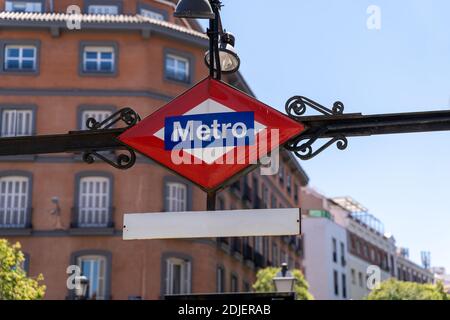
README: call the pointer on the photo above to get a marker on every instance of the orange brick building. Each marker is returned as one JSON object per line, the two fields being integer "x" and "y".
{"x": 64, "y": 211}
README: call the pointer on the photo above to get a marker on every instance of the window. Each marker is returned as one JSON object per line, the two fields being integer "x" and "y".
{"x": 103, "y": 9}
{"x": 336, "y": 282}
{"x": 259, "y": 245}
{"x": 265, "y": 196}
{"x": 24, "y": 6}
{"x": 14, "y": 202}
{"x": 99, "y": 59}
{"x": 151, "y": 14}
{"x": 281, "y": 174}
{"x": 178, "y": 276}
{"x": 234, "y": 283}
{"x": 98, "y": 115}
{"x": 246, "y": 286}
{"x": 288, "y": 183}
{"x": 296, "y": 193}
{"x": 94, "y": 268}
{"x": 344, "y": 286}
{"x": 290, "y": 262}
{"x": 275, "y": 260}
{"x": 273, "y": 201}
{"x": 360, "y": 279}
{"x": 94, "y": 202}
{"x": 176, "y": 197}
{"x": 283, "y": 257}
{"x": 16, "y": 122}
{"x": 353, "y": 272}
{"x": 20, "y": 58}
{"x": 220, "y": 279}
{"x": 342, "y": 254}
{"x": 334, "y": 250}
{"x": 177, "y": 68}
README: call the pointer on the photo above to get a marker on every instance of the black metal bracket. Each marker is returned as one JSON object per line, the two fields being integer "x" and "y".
{"x": 112, "y": 157}
{"x": 337, "y": 127}
{"x": 302, "y": 146}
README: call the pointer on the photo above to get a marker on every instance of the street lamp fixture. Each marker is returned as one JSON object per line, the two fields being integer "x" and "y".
{"x": 229, "y": 60}
{"x": 284, "y": 281}
{"x": 81, "y": 290}
{"x": 194, "y": 9}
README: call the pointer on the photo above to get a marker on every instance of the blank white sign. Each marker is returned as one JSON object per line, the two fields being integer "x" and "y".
{"x": 211, "y": 224}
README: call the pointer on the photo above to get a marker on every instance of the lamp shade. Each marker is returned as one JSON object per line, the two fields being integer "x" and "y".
{"x": 229, "y": 59}
{"x": 194, "y": 9}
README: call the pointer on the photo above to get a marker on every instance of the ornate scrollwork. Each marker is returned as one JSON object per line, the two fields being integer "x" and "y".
{"x": 305, "y": 151}
{"x": 120, "y": 161}
{"x": 127, "y": 115}
{"x": 297, "y": 105}
{"x": 117, "y": 160}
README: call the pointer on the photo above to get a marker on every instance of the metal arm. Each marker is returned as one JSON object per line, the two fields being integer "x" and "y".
{"x": 337, "y": 126}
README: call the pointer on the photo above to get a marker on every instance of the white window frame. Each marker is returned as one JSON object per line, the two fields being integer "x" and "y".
{"x": 20, "y": 58}
{"x": 16, "y": 122}
{"x": 98, "y": 115}
{"x": 29, "y": 6}
{"x": 185, "y": 276}
{"x": 106, "y": 9}
{"x": 176, "y": 197}
{"x": 94, "y": 201}
{"x": 14, "y": 193}
{"x": 100, "y": 277}
{"x": 98, "y": 59}
{"x": 220, "y": 279}
{"x": 151, "y": 14}
{"x": 173, "y": 71}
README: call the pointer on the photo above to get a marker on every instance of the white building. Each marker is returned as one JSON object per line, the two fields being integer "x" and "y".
{"x": 368, "y": 247}
{"x": 441, "y": 275}
{"x": 325, "y": 249}
{"x": 407, "y": 270}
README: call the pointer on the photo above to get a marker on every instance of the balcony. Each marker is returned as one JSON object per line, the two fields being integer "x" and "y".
{"x": 92, "y": 220}
{"x": 15, "y": 221}
{"x": 236, "y": 245}
{"x": 248, "y": 252}
{"x": 260, "y": 262}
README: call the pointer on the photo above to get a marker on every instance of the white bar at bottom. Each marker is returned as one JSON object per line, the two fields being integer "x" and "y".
{"x": 210, "y": 224}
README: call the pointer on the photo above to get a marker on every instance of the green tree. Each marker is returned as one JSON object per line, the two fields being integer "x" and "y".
{"x": 393, "y": 289}
{"x": 264, "y": 282}
{"x": 14, "y": 283}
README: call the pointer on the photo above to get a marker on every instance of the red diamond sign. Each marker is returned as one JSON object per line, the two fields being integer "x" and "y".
{"x": 211, "y": 133}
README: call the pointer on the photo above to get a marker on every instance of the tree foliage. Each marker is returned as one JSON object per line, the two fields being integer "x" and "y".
{"x": 264, "y": 282}
{"x": 393, "y": 289}
{"x": 14, "y": 283}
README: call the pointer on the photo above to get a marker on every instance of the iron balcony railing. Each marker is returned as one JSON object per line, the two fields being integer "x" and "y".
{"x": 248, "y": 252}
{"x": 260, "y": 261}
{"x": 15, "y": 218}
{"x": 88, "y": 217}
{"x": 236, "y": 245}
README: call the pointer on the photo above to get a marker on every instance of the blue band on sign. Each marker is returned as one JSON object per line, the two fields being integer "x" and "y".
{"x": 210, "y": 130}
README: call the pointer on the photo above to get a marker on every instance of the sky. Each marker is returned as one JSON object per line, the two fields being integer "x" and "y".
{"x": 324, "y": 50}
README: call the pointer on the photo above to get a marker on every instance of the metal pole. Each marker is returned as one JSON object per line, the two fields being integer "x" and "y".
{"x": 211, "y": 47}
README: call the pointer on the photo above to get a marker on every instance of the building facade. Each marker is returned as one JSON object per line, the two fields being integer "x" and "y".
{"x": 368, "y": 246}
{"x": 54, "y": 77}
{"x": 325, "y": 248}
{"x": 408, "y": 270}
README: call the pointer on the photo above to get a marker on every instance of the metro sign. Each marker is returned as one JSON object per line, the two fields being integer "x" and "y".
{"x": 211, "y": 133}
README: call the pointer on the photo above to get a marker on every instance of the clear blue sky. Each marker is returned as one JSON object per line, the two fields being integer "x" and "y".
{"x": 323, "y": 49}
